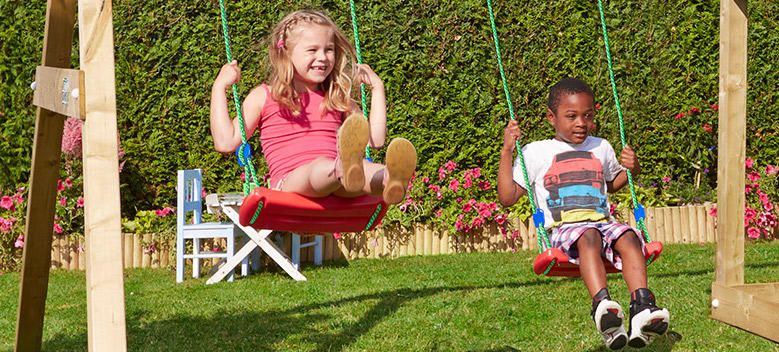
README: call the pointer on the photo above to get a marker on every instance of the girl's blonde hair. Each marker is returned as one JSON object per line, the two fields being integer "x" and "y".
{"x": 337, "y": 85}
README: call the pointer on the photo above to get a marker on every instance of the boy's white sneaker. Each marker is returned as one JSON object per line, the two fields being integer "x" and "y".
{"x": 608, "y": 318}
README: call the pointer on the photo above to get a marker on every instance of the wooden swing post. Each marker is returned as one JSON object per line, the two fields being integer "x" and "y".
{"x": 88, "y": 93}
{"x": 752, "y": 307}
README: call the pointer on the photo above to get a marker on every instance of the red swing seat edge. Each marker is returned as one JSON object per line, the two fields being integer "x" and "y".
{"x": 565, "y": 268}
{"x": 287, "y": 211}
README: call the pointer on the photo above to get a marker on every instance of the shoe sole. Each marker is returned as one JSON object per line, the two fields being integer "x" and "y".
{"x": 611, "y": 324}
{"x": 401, "y": 161}
{"x": 352, "y": 139}
{"x": 656, "y": 326}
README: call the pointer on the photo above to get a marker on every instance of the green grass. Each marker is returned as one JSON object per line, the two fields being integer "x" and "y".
{"x": 467, "y": 302}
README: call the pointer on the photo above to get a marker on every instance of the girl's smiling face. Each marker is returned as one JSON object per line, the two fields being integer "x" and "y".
{"x": 312, "y": 55}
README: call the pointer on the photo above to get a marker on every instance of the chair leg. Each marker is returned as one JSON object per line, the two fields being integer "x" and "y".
{"x": 230, "y": 251}
{"x": 295, "y": 250}
{"x": 256, "y": 259}
{"x": 245, "y": 261}
{"x": 318, "y": 250}
{"x": 195, "y": 259}
{"x": 180, "y": 259}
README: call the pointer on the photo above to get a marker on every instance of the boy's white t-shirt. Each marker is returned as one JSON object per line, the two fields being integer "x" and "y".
{"x": 569, "y": 180}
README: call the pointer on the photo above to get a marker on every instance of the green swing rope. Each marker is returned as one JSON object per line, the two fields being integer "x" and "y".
{"x": 363, "y": 99}
{"x": 543, "y": 238}
{"x": 641, "y": 224}
{"x": 250, "y": 174}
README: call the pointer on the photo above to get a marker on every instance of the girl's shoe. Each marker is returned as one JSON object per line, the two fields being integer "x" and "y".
{"x": 352, "y": 139}
{"x": 647, "y": 320}
{"x": 401, "y": 161}
{"x": 608, "y": 318}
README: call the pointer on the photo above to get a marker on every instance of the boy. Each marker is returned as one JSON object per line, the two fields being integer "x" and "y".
{"x": 570, "y": 175}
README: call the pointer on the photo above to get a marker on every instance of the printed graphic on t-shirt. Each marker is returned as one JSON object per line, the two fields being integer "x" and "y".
{"x": 575, "y": 183}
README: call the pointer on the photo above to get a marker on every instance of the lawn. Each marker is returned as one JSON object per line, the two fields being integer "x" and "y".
{"x": 465, "y": 302}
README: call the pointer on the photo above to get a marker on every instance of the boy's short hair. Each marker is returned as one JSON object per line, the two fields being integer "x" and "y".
{"x": 566, "y": 86}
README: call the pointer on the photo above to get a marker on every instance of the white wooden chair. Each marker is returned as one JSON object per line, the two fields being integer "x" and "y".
{"x": 297, "y": 246}
{"x": 189, "y": 199}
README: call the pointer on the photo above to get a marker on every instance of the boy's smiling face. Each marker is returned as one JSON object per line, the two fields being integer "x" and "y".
{"x": 574, "y": 119}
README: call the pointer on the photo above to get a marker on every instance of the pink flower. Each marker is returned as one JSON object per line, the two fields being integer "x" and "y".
{"x": 441, "y": 173}
{"x": 477, "y": 222}
{"x": 748, "y": 189}
{"x": 426, "y": 180}
{"x": 454, "y": 185}
{"x": 476, "y": 172}
{"x": 60, "y": 186}
{"x": 71, "y": 137}
{"x": 679, "y": 116}
{"x": 708, "y": 128}
{"x": 666, "y": 179}
{"x": 203, "y": 193}
{"x": 7, "y": 203}
{"x": 714, "y": 107}
{"x": 439, "y": 213}
{"x": 467, "y": 207}
{"x": 19, "y": 242}
{"x": 763, "y": 197}
{"x": 68, "y": 183}
{"x": 80, "y": 202}
{"x": 57, "y": 228}
{"x": 243, "y": 177}
{"x": 501, "y": 219}
{"x": 612, "y": 209}
{"x": 18, "y": 198}
{"x": 771, "y": 170}
{"x": 768, "y": 206}
{"x": 337, "y": 235}
{"x": 6, "y": 225}
{"x": 485, "y": 185}
{"x": 695, "y": 111}
{"x": 753, "y": 176}
{"x": 713, "y": 212}
{"x": 164, "y": 211}
{"x": 597, "y": 106}
{"x": 749, "y": 214}
{"x": 467, "y": 183}
{"x": 749, "y": 163}
{"x": 63, "y": 201}
{"x": 459, "y": 200}
{"x": 450, "y": 166}
{"x": 753, "y": 233}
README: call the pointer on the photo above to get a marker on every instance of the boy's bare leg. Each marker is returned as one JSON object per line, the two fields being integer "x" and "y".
{"x": 633, "y": 263}
{"x": 591, "y": 267}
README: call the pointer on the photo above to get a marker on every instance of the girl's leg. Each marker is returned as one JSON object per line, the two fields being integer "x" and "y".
{"x": 392, "y": 180}
{"x": 315, "y": 179}
{"x": 375, "y": 178}
{"x": 633, "y": 263}
{"x": 590, "y": 246}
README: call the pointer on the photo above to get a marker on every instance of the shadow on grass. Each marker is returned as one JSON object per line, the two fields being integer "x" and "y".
{"x": 660, "y": 344}
{"x": 300, "y": 327}
{"x": 268, "y": 330}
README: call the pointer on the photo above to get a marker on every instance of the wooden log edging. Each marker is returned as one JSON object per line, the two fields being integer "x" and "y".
{"x": 687, "y": 224}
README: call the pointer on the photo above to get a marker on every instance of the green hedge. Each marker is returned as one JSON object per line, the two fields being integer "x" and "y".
{"x": 437, "y": 61}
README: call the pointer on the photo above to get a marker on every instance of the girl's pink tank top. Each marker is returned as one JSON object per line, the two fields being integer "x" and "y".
{"x": 289, "y": 142}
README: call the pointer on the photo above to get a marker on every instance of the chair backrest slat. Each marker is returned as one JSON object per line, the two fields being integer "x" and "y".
{"x": 189, "y": 197}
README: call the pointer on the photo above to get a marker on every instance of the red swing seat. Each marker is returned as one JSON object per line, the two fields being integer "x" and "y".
{"x": 287, "y": 211}
{"x": 560, "y": 266}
